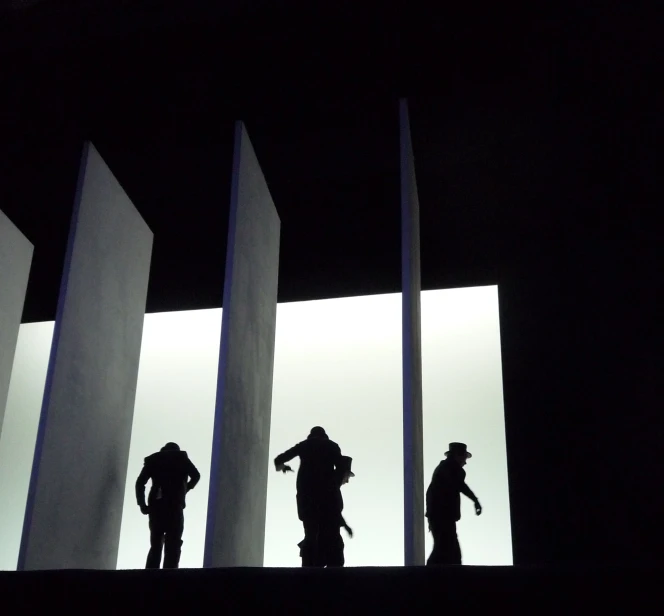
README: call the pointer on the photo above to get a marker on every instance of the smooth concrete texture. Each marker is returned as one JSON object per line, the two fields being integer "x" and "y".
{"x": 412, "y": 349}
{"x": 76, "y": 490}
{"x": 15, "y": 261}
{"x": 338, "y": 364}
{"x": 235, "y": 533}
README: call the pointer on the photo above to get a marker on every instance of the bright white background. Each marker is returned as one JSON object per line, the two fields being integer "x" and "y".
{"x": 462, "y": 391}
{"x": 337, "y": 364}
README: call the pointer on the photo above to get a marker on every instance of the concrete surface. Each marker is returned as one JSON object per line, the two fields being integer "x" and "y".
{"x": 76, "y": 491}
{"x": 412, "y": 350}
{"x": 15, "y": 261}
{"x": 235, "y": 533}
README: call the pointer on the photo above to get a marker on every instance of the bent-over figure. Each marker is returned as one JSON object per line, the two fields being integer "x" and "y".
{"x": 173, "y": 475}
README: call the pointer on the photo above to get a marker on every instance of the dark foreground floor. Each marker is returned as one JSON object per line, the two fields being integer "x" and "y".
{"x": 487, "y": 590}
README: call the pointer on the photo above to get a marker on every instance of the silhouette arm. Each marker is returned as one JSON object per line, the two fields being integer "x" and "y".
{"x": 463, "y": 486}
{"x": 287, "y": 456}
{"x": 194, "y": 475}
{"x": 345, "y": 526}
{"x": 466, "y": 491}
{"x": 141, "y": 482}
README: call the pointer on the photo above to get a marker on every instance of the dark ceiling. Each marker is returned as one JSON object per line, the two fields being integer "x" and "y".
{"x": 516, "y": 120}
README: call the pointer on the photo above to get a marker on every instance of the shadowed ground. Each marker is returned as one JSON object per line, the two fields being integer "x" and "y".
{"x": 536, "y": 590}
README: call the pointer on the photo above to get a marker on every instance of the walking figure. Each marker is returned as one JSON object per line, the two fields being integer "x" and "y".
{"x": 443, "y": 500}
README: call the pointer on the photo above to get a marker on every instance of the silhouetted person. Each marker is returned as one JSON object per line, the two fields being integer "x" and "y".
{"x": 443, "y": 501}
{"x": 330, "y": 542}
{"x": 319, "y": 503}
{"x": 173, "y": 475}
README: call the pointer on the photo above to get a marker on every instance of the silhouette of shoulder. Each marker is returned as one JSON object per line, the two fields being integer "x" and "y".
{"x": 448, "y": 472}
{"x": 171, "y": 461}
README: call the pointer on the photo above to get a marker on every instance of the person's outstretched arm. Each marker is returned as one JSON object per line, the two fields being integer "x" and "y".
{"x": 141, "y": 482}
{"x": 194, "y": 475}
{"x": 287, "y": 456}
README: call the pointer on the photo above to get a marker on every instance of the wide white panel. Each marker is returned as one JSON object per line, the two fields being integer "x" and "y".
{"x": 177, "y": 385}
{"x": 463, "y": 401}
{"x": 337, "y": 364}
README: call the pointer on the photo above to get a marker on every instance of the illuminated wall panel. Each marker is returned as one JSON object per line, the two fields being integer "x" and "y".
{"x": 177, "y": 386}
{"x": 463, "y": 401}
{"x": 337, "y": 364}
{"x": 17, "y": 444}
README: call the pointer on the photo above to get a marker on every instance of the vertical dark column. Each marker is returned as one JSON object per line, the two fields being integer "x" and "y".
{"x": 76, "y": 493}
{"x": 412, "y": 350}
{"x": 235, "y": 533}
{"x": 15, "y": 261}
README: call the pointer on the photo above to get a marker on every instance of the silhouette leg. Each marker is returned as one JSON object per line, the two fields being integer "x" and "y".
{"x": 446, "y": 549}
{"x": 173, "y": 539}
{"x": 156, "y": 542}
{"x": 331, "y": 545}
{"x": 310, "y": 546}
{"x": 456, "y": 549}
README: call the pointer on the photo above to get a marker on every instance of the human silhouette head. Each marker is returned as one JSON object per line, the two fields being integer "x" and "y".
{"x": 317, "y": 432}
{"x": 458, "y": 452}
{"x": 171, "y": 447}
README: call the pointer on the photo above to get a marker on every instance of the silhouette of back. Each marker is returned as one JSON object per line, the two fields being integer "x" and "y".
{"x": 318, "y": 460}
{"x": 319, "y": 502}
{"x": 170, "y": 471}
{"x": 443, "y": 494}
{"x": 173, "y": 475}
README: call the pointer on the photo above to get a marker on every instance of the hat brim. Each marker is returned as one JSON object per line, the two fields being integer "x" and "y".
{"x": 468, "y": 454}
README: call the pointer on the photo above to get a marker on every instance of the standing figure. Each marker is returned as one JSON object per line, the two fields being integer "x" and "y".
{"x": 173, "y": 475}
{"x": 330, "y": 543}
{"x": 319, "y": 503}
{"x": 443, "y": 502}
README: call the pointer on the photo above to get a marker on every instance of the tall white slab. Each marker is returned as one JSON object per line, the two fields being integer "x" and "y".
{"x": 76, "y": 491}
{"x": 15, "y": 261}
{"x": 235, "y": 533}
{"x": 412, "y": 350}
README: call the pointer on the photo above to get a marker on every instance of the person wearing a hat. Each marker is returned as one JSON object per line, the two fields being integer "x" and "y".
{"x": 173, "y": 475}
{"x": 323, "y": 470}
{"x": 443, "y": 502}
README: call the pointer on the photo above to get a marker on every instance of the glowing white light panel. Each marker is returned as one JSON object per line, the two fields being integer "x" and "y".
{"x": 462, "y": 390}
{"x": 337, "y": 364}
